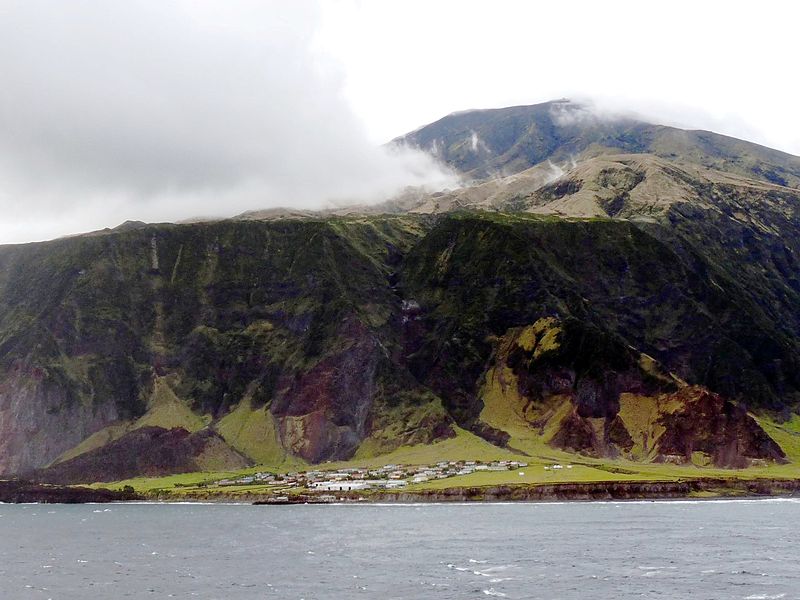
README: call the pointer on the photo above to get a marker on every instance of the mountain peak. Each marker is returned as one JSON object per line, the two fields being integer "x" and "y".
{"x": 503, "y": 141}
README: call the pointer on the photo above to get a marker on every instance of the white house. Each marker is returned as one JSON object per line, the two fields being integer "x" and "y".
{"x": 339, "y": 486}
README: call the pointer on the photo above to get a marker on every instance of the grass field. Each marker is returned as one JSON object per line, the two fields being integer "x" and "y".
{"x": 466, "y": 446}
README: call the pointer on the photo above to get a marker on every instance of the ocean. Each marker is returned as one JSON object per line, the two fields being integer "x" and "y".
{"x": 738, "y": 549}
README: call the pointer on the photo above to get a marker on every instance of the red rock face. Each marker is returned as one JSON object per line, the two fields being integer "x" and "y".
{"x": 708, "y": 423}
{"x": 323, "y": 413}
{"x": 38, "y": 423}
{"x": 576, "y": 434}
{"x": 592, "y": 371}
{"x": 147, "y": 452}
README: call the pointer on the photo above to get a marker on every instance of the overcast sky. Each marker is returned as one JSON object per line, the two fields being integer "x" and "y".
{"x": 114, "y": 110}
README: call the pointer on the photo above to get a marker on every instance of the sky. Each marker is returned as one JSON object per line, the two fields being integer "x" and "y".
{"x": 162, "y": 110}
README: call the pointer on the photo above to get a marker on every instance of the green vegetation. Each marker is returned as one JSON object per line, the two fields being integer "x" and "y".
{"x": 463, "y": 446}
{"x": 519, "y": 137}
{"x": 787, "y": 434}
{"x": 364, "y": 340}
{"x": 252, "y": 431}
{"x": 167, "y": 410}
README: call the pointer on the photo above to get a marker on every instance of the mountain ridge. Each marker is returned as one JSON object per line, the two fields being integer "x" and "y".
{"x": 523, "y": 136}
{"x": 622, "y": 306}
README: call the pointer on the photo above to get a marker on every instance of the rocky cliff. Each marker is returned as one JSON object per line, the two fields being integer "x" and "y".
{"x": 638, "y": 305}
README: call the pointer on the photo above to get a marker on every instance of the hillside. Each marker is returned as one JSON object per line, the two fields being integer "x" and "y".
{"x": 505, "y": 141}
{"x": 614, "y": 295}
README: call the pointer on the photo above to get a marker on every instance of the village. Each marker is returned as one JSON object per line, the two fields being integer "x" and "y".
{"x": 386, "y": 477}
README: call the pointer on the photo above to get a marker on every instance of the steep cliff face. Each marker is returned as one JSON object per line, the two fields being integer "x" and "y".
{"x": 317, "y": 339}
{"x": 39, "y": 419}
{"x": 745, "y": 230}
{"x": 627, "y": 291}
{"x": 289, "y": 316}
{"x": 476, "y": 276}
{"x": 580, "y": 389}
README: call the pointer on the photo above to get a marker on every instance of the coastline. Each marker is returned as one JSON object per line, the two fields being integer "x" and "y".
{"x": 16, "y": 491}
{"x": 699, "y": 488}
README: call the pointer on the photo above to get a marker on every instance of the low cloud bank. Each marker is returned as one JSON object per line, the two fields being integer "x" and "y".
{"x": 164, "y": 111}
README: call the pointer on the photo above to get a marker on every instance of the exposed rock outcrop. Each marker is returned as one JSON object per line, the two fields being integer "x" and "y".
{"x": 39, "y": 419}
{"x": 147, "y": 452}
{"x": 639, "y": 323}
{"x": 707, "y": 423}
{"x": 16, "y": 491}
{"x": 584, "y": 391}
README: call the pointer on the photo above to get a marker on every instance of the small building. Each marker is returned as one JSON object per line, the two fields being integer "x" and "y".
{"x": 339, "y": 486}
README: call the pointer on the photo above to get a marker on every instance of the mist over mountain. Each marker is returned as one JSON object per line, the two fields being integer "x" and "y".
{"x": 176, "y": 110}
{"x": 496, "y": 142}
{"x": 600, "y": 286}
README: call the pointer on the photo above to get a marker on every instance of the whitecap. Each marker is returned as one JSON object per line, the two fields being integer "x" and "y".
{"x": 497, "y": 568}
{"x": 493, "y": 592}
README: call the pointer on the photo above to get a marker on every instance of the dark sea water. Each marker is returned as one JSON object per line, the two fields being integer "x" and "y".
{"x": 706, "y": 550}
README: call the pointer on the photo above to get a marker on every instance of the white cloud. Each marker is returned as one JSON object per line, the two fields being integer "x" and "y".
{"x": 114, "y": 110}
{"x": 727, "y": 66}
{"x": 158, "y": 110}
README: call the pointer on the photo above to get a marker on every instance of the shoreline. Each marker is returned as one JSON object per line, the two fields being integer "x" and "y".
{"x": 705, "y": 488}
{"x": 18, "y": 491}
{"x": 693, "y": 489}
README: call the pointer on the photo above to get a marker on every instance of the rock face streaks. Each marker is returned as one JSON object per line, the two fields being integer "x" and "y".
{"x": 615, "y": 289}
{"x": 385, "y": 331}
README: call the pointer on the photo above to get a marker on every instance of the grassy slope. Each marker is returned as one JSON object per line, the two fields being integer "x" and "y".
{"x": 165, "y": 410}
{"x": 252, "y": 431}
{"x": 168, "y": 411}
{"x": 242, "y": 426}
{"x": 466, "y": 446}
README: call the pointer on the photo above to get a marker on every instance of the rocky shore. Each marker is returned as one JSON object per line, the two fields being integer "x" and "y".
{"x": 594, "y": 491}
{"x": 619, "y": 490}
{"x": 16, "y": 491}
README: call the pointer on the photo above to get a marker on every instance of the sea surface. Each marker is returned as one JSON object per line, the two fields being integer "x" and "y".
{"x": 745, "y": 549}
